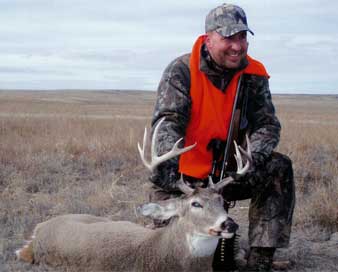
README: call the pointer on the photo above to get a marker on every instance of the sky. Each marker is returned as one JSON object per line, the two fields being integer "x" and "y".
{"x": 113, "y": 44}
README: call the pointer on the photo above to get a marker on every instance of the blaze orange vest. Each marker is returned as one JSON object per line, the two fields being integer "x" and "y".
{"x": 210, "y": 113}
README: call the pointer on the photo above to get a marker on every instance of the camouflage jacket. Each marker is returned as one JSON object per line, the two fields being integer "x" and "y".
{"x": 174, "y": 102}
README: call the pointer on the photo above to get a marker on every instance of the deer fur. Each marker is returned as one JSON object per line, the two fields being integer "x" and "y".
{"x": 88, "y": 243}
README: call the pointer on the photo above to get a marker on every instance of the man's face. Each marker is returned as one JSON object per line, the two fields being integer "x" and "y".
{"x": 227, "y": 52}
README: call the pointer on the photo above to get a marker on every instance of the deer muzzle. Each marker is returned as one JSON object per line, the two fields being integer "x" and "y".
{"x": 227, "y": 229}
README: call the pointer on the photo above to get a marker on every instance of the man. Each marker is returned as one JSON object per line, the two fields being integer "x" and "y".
{"x": 199, "y": 94}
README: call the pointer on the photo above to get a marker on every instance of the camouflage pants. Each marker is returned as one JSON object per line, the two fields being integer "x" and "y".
{"x": 271, "y": 190}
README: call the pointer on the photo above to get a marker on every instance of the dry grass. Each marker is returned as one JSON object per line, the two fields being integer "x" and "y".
{"x": 309, "y": 137}
{"x": 60, "y": 152}
{"x": 75, "y": 152}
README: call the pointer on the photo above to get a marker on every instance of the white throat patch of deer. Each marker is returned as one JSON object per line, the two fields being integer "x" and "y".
{"x": 88, "y": 243}
{"x": 201, "y": 245}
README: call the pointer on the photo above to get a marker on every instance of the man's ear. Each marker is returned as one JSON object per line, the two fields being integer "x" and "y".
{"x": 207, "y": 40}
{"x": 162, "y": 210}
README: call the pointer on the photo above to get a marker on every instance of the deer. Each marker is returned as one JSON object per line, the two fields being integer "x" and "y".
{"x": 83, "y": 242}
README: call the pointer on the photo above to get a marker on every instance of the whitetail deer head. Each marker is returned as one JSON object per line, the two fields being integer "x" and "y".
{"x": 203, "y": 206}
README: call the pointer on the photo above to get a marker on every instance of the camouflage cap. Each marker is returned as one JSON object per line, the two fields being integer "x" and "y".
{"x": 227, "y": 20}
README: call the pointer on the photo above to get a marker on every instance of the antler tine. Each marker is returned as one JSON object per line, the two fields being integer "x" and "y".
{"x": 211, "y": 183}
{"x": 141, "y": 150}
{"x": 238, "y": 157}
{"x": 224, "y": 182}
{"x": 240, "y": 169}
{"x": 155, "y": 159}
{"x": 184, "y": 188}
{"x": 153, "y": 139}
{"x": 247, "y": 152}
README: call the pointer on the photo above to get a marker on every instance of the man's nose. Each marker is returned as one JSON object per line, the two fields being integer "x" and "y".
{"x": 236, "y": 45}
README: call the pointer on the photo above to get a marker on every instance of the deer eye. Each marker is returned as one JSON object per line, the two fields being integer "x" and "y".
{"x": 196, "y": 204}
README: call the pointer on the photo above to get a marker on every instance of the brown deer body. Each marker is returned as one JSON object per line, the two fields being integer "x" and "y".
{"x": 89, "y": 243}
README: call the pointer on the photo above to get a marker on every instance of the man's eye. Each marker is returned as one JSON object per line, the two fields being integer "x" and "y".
{"x": 196, "y": 205}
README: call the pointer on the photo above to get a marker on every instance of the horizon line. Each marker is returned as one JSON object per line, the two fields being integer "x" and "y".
{"x": 144, "y": 90}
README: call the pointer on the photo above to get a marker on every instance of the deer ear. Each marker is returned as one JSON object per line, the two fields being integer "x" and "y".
{"x": 161, "y": 211}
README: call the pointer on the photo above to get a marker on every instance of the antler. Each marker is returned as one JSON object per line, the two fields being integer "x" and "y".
{"x": 155, "y": 159}
{"x": 184, "y": 188}
{"x": 241, "y": 171}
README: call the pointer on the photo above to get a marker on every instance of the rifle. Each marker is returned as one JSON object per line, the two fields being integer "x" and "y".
{"x": 225, "y": 148}
{"x": 232, "y": 131}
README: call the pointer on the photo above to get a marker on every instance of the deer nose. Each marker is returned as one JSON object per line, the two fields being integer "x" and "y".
{"x": 229, "y": 225}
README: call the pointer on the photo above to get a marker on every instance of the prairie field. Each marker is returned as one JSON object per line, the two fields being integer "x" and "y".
{"x": 75, "y": 152}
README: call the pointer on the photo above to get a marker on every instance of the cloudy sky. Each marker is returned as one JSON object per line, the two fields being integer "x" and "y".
{"x": 113, "y": 44}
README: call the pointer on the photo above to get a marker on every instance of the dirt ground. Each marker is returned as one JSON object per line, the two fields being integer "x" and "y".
{"x": 311, "y": 249}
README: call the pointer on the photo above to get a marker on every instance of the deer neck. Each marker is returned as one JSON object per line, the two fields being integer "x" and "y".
{"x": 181, "y": 246}
{"x": 201, "y": 245}
{"x": 198, "y": 244}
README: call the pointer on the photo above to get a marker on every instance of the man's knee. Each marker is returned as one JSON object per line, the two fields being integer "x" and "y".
{"x": 280, "y": 165}
{"x": 284, "y": 160}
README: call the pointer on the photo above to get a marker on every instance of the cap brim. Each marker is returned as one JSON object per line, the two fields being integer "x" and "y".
{"x": 234, "y": 29}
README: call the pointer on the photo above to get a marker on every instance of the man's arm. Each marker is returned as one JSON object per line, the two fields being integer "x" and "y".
{"x": 173, "y": 102}
{"x": 264, "y": 124}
